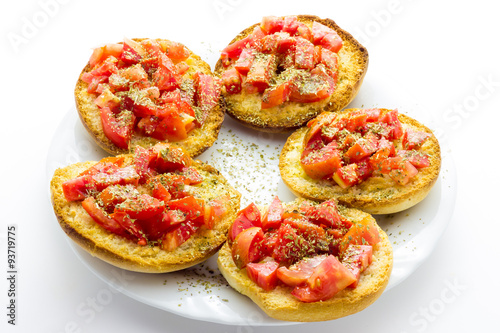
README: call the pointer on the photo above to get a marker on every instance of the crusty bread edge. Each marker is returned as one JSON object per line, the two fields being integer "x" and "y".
{"x": 337, "y": 101}
{"x": 280, "y": 304}
{"x": 211, "y": 240}
{"x": 405, "y": 196}
{"x": 198, "y": 140}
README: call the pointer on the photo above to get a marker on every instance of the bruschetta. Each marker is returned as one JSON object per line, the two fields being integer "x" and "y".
{"x": 153, "y": 211}
{"x": 279, "y": 73}
{"x": 377, "y": 160}
{"x": 144, "y": 91}
{"x": 304, "y": 261}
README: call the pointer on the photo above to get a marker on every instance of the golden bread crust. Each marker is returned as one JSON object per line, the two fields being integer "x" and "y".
{"x": 198, "y": 140}
{"x": 377, "y": 195}
{"x": 353, "y": 64}
{"x": 280, "y": 304}
{"x": 123, "y": 253}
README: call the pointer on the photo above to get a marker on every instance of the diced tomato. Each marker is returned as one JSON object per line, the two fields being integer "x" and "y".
{"x": 364, "y": 169}
{"x": 142, "y": 158}
{"x": 289, "y": 247}
{"x": 290, "y": 24}
{"x": 175, "y": 238}
{"x": 404, "y": 173}
{"x": 246, "y": 247}
{"x": 312, "y": 87}
{"x": 231, "y": 79}
{"x": 273, "y": 215}
{"x": 263, "y": 274}
{"x": 158, "y": 190}
{"x": 317, "y": 125}
{"x": 93, "y": 81}
{"x": 276, "y": 95}
{"x": 107, "y": 164}
{"x": 364, "y": 232}
{"x": 262, "y": 71}
{"x": 320, "y": 163}
{"x": 100, "y": 54}
{"x": 174, "y": 50}
{"x": 116, "y": 194}
{"x": 169, "y": 158}
{"x": 413, "y": 139}
{"x": 304, "y": 31}
{"x": 297, "y": 274}
{"x": 357, "y": 258}
{"x": 191, "y": 175}
{"x": 373, "y": 114}
{"x": 121, "y": 176}
{"x": 207, "y": 93}
{"x": 233, "y": 50}
{"x": 192, "y": 207}
{"x": 314, "y": 235}
{"x": 360, "y": 149}
{"x": 117, "y": 128}
{"x": 245, "y": 60}
{"x": 346, "y": 176}
{"x": 269, "y": 243}
{"x": 174, "y": 184}
{"x": 327, "y": 279}
{"x": 330, "y": 60}
{"x": 355, "y": 121}
{"x": 417, "y": 158}
{"x": 173, "y": 126}
{"x": 142, "y": 206}
{"x": 108, "y": 99}
{"x": 391, "y": 119}
{"x": 166, "y": 76}
{"x": 325, "y": 214}
{"x": 304, "y": 54}
{"x": 326, "y": 37}
{"x": 102, "y": 218}
{"x": 155, "y": 227}
{"x": 132, "y": 52}
{"x": 78, "y": 188}
{"x": 247, "y": 217}
{"x": 271, "y": 24}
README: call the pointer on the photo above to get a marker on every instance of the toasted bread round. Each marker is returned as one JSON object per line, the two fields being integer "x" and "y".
{"x": 280, "y": 304}
{"x": 352, "y": 67}
{"x": 377, "y": 194}
{"x": 199, "y": 139}
{"x": 126, "y": 254}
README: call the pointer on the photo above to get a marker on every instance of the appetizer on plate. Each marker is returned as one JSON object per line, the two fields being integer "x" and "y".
{"x": 376, "y": 160}
{"x": 281, "y": 72}
{"x": 304, "y": 261}
{"x": 154, "y": 211}
{"x": 145, "y": 91}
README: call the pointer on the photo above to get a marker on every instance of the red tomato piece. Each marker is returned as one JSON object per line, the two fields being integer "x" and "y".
{"x": 417, "y": 158}
{"x": 191, "y": 175}
{"x": 364, "y": 169}
{"x": 346, "y": 176}
{"x": 327, "y": 279}
{"x": 323, "y": 162}
{"x": 78, "y": 188}
{"x": 290, "y": 24}
{"x": 325, "y": 214}
{"x": 108, "y": 99}
{"x": 312, "y": 87}
{"x": 142, "y": 206}
{"x": 102, "y": 218}
{"x": 304, "y": 31}
{"x": 263, "y": 274}
{"x": 166, "y": 76}
{"x": 276, "y": 95}
{"x": 127, "y": 223}
{"x": 174, "y": 50}
{"x": 364, "y": 232}
{"x": 331, "y": 62}
{"x": 273, "y": 215}
{"x": 192, "y": 208}
{"x": 357, "y": 258}
{"x": 395, "y": 126}
{"x": 117, "y": 128}
{"x": 289, "y": 247}
{"x": 169, "y": 158}
{"x": 173, "y": 239}
{"x": 297, "y": 274}
{"x": 262, "y": 71}
{"x": 131, "y": 54}
{"x": 404, "y": 173}
{"x": 414, "y": 139}
{"x": 246, "y": 247}
{"x": 271, "y": 24}
{"x": 304, "y": 54}
{"x": 207, "y": 93}
{"x": 116, "y": 194}
{"x": 360, "y": 149}
{"x": 155, "y": 227}
{"x": 231, "y": 79}
{"x": 120, "y": 176}
{"x": 142, "y": 158}
{"x": 244, "y": 62}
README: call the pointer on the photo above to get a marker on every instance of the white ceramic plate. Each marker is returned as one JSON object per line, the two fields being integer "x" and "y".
{"x": 249, "y": 160}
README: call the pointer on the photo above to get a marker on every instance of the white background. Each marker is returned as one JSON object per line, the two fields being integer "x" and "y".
{"x": 441, "y": 55}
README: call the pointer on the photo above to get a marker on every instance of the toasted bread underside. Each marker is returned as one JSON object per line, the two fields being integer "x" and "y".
{"x": 280, "y": 304}
{"x": 123, "y": 253}
{"x": 377, "y": 195}
{"x": 198, "y": 140}
{"x": 353, "y": 64}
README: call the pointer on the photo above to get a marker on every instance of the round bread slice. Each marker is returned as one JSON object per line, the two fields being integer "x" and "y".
{"x": 377, "y": 194}
{"x": 352, "y": 67}
{"x": 199, "y": 139}
{"x": 126, "y": 254}
{"x": 280, "y": 304}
